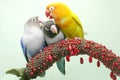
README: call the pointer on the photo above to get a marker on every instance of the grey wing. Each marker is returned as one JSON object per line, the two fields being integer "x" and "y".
{"x": 24, "y": 49}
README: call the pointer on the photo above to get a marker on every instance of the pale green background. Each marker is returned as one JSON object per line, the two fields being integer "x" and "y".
{"x": 100, "y": 19}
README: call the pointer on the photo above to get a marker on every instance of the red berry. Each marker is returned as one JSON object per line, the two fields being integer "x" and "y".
{"x": 31, "y": 73}
{"x": 90, "y": 59}
{"x": 71, "y": 53}
{"x": 104, "y": 50}
{"x": 81, "y": 60}
{"x": 98, "y": 63}
{"x": 114, "y": 77}
{"x": 34, "y": 69}
{"x": 69, "y": 47}
{"x": 50, "y": 58}
{"x": 96, "y": 46}
{"x": 111, "y": 74}
{"x": 67, "y": 58}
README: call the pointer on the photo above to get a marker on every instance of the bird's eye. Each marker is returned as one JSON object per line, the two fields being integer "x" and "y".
{"x": 46, "y": 29}
{"x": 51, "y": 8}
{"x": 34, "y": 19}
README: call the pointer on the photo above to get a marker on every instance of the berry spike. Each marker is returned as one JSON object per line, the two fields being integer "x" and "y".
{"x": 55, "y": 52}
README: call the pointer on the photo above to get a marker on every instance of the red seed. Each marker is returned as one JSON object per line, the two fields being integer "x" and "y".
{"x": 71, "y": 53}
{"x": 98, "y": 63}
{"x": 96, "y": 53}
{"x": 90, "y": 51}
{"x": 44, "y": 64}
{"x": 111, "y": 74}
{"x": 50, "y": 58}
{"x": 110, "y": 51}
{"x": 87, "y": 46}
{"x": 96, "y": 46}
{"x": 114, "y": 77}
{"x": 75, "y": 51}
{"x": 81, "y": 60}
{"x": 34, "y": 69}
{"x": 69, "y": 47}
{"x": 31, "y": 73}
{"x": 104, "y": 50}
{"x": 115, "y": 64}
{"x": 79, "y": 42}
{"x": 107, "y": 59}
{"x": 90, "y": 59}
{"x": 67, "y": 58}
{"x": 102, "y": 57}
{"x": 73, "y": 46}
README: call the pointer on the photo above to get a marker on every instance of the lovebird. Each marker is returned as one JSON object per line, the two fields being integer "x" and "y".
{"x": 33, "y": 39}
{"x": 53, "y": 34}
{"x": 66, "y": 20}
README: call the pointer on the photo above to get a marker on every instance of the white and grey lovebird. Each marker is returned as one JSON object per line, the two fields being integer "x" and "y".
{"x": 33, "y": 39}
{"x": 52, "y": 35}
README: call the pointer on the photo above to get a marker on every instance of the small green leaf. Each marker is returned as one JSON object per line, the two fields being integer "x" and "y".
{"x": 18, "y": 72}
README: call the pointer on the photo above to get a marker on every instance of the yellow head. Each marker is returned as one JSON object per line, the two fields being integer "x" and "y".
{"x": 57, "y": 10}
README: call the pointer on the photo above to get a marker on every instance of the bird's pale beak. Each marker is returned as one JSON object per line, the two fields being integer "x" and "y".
{"x": 39, "y": 20}
{"x": 48, "y": 14}
{"x": 53, "y": 29}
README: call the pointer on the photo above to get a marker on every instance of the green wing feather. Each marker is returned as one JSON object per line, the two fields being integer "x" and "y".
{"x": 77, "y": 21}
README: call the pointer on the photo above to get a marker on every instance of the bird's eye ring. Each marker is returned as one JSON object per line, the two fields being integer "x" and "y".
{"x": 34, "y": 20}
{"x": 51, "y": 8}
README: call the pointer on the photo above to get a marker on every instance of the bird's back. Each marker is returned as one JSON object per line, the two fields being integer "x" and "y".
{"x": 71, "y": 26}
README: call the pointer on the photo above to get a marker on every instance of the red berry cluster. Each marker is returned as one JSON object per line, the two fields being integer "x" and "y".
{"x": 73, "y": 47}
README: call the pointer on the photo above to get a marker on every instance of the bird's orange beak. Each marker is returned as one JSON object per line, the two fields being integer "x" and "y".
{"x": 48, "y": 14}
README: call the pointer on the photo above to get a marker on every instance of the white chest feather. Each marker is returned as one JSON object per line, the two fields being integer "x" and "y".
{"x": 33, "y": 38}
